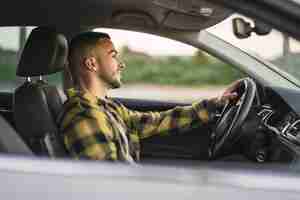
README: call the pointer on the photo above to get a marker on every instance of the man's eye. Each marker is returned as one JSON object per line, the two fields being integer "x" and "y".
{"x": 114, "y": 55}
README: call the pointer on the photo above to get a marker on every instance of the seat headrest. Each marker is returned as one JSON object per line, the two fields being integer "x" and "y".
{"x": 45, "y": 53}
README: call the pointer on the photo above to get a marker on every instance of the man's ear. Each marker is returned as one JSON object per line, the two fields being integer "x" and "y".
{"x": 91, "y": 63}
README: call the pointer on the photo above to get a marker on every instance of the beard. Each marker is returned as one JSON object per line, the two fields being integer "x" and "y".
{"x": 112, "y": 81}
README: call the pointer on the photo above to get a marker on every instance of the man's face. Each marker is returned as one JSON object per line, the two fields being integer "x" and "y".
{"x": 109, "y": 66}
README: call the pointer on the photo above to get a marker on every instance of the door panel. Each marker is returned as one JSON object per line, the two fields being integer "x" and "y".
{"x": 6, "y": 101}
{"x": 190, "y": 145}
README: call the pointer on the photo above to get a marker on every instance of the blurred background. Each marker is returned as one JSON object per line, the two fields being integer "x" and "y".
{"x": 157, "y": 68}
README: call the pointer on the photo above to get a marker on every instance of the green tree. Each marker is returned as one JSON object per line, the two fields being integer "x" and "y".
{"x": 201, "y": 58}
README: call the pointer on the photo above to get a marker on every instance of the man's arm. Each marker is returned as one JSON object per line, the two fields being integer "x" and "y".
{"x": 178, "y": 119}
{"x": 169, "y": 122}
{"x": 88, "y": 135}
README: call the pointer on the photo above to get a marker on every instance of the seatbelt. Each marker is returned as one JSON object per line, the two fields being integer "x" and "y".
{"x": 124, "y": 144}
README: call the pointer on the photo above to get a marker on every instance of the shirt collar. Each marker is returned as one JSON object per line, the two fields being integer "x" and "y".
{"x": 72, "y": 92}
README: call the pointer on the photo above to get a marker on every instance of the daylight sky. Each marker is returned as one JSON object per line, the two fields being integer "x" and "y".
{"x": 266, "y": 46}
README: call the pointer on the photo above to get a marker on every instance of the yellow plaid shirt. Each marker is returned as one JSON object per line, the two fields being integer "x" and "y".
{"x": 91, "y": 127}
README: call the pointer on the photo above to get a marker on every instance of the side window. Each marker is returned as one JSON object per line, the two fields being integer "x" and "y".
{"x": 163, "y": 69}
{"x": 12, "y": 40}
{"x": 9, "y": 53}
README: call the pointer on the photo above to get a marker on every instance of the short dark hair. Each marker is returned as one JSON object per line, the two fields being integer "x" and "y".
{"x": 86, "y": 39}
{"x": 81, "y": 42}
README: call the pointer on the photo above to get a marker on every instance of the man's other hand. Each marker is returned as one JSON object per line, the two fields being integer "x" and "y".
{"x": 229, "y": 94}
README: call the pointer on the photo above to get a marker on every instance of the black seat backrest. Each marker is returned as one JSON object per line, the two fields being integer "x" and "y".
{"x": 10, "y": 141}
{"x": 36, "y": 103}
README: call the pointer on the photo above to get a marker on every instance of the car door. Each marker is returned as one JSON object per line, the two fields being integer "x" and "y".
{"x": 161, "y": 77}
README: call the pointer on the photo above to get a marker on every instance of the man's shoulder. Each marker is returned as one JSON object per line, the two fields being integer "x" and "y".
{"x": 118, "y": 106}
{"x": 76, "y": 107}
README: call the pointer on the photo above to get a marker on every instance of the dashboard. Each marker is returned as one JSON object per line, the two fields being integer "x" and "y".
{"x": 280, "y": 122}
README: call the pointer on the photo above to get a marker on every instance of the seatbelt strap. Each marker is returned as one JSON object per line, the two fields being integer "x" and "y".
{"x": 124, "y": 144}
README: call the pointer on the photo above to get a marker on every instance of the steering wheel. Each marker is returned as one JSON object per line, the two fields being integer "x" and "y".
{"x": 226, "y": 131}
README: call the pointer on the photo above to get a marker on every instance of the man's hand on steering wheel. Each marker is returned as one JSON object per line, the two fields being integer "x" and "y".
{"x": 230, "y": 94}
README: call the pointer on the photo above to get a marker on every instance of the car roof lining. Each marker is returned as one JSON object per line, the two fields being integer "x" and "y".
{"x": 55, "y": 13}
{"x": 86, "y": 14}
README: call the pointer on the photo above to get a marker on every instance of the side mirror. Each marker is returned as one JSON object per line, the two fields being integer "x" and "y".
{"x": 243, "y": 29}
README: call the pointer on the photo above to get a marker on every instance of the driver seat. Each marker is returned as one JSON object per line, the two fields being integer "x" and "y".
{"x": 36, "y": 103}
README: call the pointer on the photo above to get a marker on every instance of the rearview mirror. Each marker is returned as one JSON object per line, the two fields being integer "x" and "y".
{"x": 243, "y": 29}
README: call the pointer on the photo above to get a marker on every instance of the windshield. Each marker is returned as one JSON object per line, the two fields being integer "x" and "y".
{"x": 277, "y": 48}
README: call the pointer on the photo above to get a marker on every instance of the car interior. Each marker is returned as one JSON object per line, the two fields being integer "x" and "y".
{"x": 33, "y": 108}
{"x": 42, "y": 102}
{"x": 28, "y": 115}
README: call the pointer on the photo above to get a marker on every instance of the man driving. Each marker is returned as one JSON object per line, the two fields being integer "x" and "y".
{"x": 97, "y": 127}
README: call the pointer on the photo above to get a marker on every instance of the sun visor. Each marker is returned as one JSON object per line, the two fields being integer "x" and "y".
{"x": 191, "y": 15}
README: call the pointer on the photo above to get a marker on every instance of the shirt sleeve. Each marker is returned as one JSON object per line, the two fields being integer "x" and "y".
{"x": 173, "y": 121}
{"x": 88, "y": 135}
